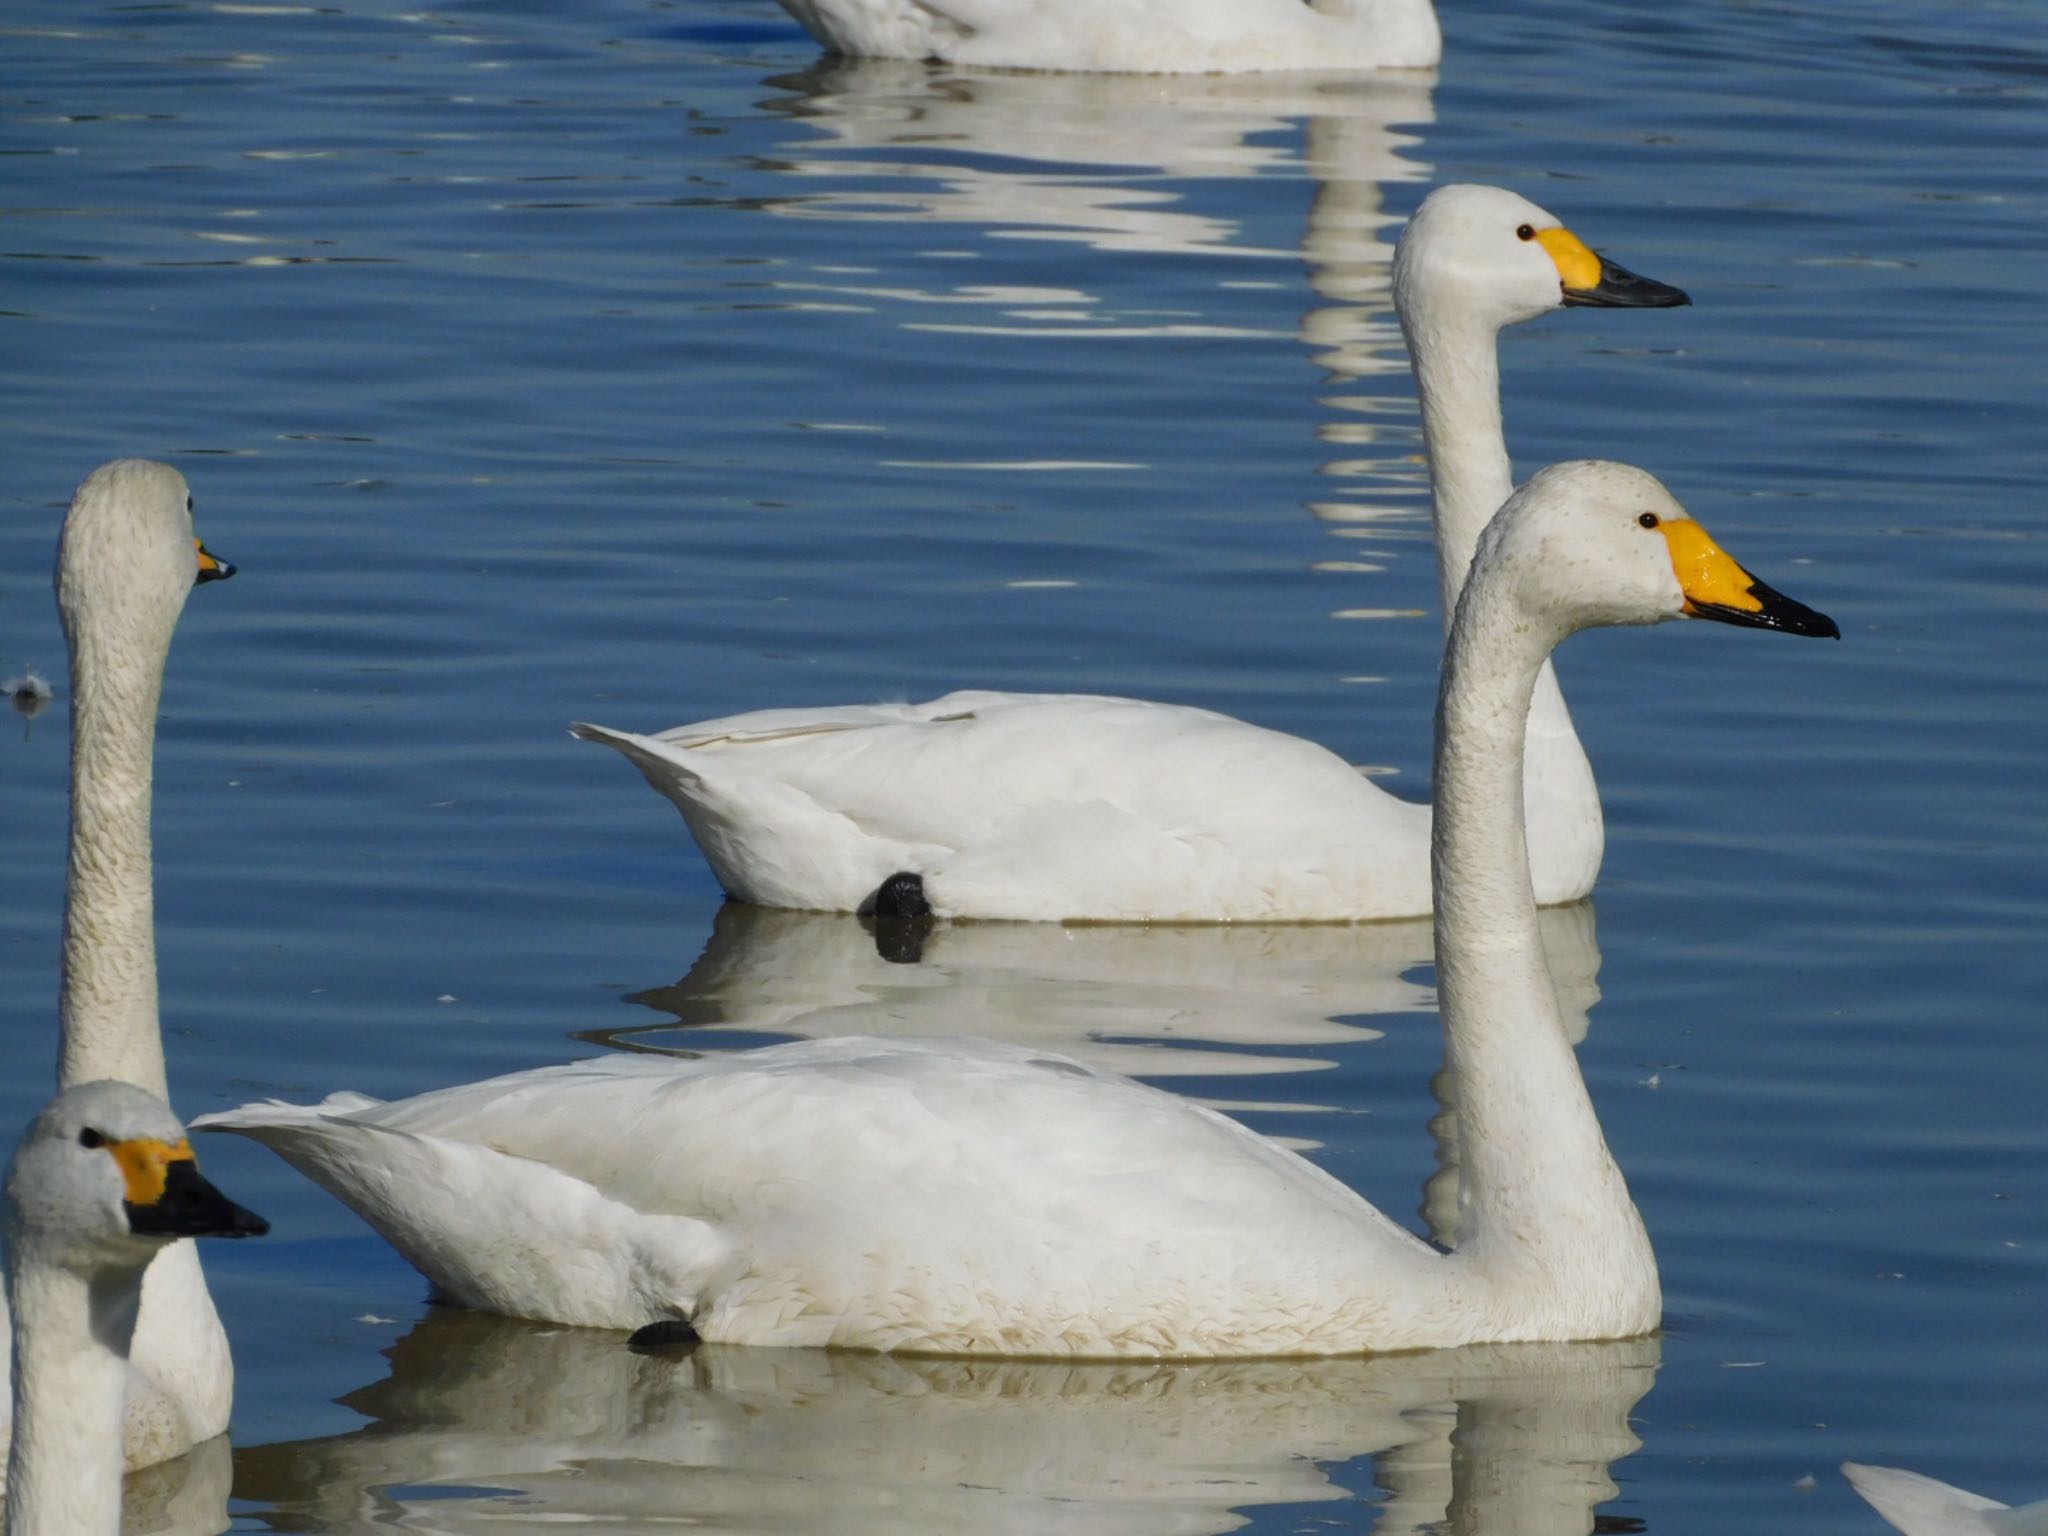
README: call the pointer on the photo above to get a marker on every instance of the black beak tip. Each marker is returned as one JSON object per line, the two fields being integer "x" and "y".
{"x": 192, "y": 1207}
{"x": 220, "y": 570}
{"x": 1779, "y": 612}
{"x": 1620, "y": 288}
{"x": 1793, "y": 616}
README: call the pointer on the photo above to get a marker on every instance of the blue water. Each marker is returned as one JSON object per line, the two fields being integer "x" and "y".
{"x": 621, "y": 362}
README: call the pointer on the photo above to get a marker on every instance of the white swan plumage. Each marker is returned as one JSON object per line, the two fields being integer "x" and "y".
{"x": 968, "y": 1197}
{"x": 103, "y": 1183}
{"x": 1154, "y": 37}
{"x": 1922, "y": 1506}
{"x": 126, "y": 561}
{"x": 1055, "y": 807}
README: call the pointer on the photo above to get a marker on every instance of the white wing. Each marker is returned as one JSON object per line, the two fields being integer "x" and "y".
{"x": 1921, "y": 1506}
{"x": 1038, "y": 807}
{"x": 948, "y": 1196}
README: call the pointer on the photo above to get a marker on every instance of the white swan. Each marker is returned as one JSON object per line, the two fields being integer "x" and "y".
{"x": 103, "y": 1183}
{"x": 1159, "y": 37}
{"x": 126, "y": 561}
{"x": 978, "y": 1198}
{"x": 1920, "y": 1506}
{"x": 1069, "y": 807}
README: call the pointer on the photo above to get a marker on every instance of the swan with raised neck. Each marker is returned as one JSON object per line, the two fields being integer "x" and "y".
{"x": 1472, "y": 261}
{"x": 965, "y": 1197}
{"x": 102, "y": 1183}
{"x": 126, "y": 561}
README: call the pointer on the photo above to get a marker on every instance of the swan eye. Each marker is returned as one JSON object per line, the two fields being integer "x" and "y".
{"x": 1526, "y": 232}
{"x": 1647, "y": 520}
{"x": 91, "y": 1138}
{"x": 188, "y": 501}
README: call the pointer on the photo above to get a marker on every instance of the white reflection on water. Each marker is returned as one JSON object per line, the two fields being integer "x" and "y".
{"x": 187, "y": 1496}
{"x": 1100, "y": 159}
{"x": 489, "y": 1424}
{"x": 1115, "y": 162}
{"x": 1147, "y": 1000}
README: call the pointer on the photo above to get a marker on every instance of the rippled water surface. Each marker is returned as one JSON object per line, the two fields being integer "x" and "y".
{"x": 621, "y": 361}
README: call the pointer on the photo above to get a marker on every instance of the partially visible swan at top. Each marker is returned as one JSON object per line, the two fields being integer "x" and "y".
{"x": 1920, "y": 1506}
{"x": 1157, "y": 37}
{"x": 1056, "y": 807}
{"x": 126, "y": 561}
{"x": 102, "y": 1184}
{"x": 970, "y": 1197}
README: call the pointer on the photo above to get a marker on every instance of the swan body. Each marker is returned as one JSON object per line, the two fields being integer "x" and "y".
{"x": 1921, "y": 1506}
{"x": 1132, "y": 36}
{"x": 126, "y": 561}
{"x": 1069, "y": 807}
{"x": 102, "y": 1184}
{"x": 980, "y": 1198}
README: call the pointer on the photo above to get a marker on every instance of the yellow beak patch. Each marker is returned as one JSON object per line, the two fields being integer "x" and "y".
{"x": 209, "y": 564}
{"x": 1707, "y": 573}
{"x": 146, "y": 1165}
{"x": 1577, "y": 265}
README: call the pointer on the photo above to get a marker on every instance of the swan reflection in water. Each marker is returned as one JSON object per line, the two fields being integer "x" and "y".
{"x": 487, "y": 1424}
{"x": 1149, "y": 1001}
{"x": 1104, "y": 160}
{"x": 1119, "y": 164}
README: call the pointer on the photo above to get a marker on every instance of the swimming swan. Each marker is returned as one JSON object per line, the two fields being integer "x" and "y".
{"x": 126, "y": 562}
{"x": 971, "y": 1197}
{"x": 1920, "y": 1506}
{"x": 1157, "y": 37}
{"x": 1061, "y": 806}
{"x": 102, "y": 1184}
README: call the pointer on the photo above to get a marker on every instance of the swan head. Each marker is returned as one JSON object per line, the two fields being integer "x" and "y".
{"x": 104, "y": 1178}
{"x": 1591, "y": 543}
{"x": 128, "y": 557}
{"x": 1492, "y": 256}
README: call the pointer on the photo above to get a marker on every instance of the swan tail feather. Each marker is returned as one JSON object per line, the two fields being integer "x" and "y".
{"x": 1922, "y": 1506}
{"x": 490, "y": 1230}
{"x": 658, "y": 760}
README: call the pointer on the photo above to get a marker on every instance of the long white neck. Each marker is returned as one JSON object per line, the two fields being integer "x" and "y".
{"x": 71, "y": 1335}
{"x": 1548, "y": 1226}
{"x": 1457, "y": 375}
{"x": 108, "y": 1006}
{"x": 182, "y": 1386}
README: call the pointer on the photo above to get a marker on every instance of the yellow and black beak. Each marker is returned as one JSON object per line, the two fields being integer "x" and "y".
{"x": 1593, "y": 281}
{"x": 166, "y": 1197}
{"x": 211, "y": 566}
{"x": 1717, "y": 588}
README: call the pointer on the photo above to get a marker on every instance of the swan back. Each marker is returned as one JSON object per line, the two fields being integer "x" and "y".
{"x": 1133, "y": 36}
